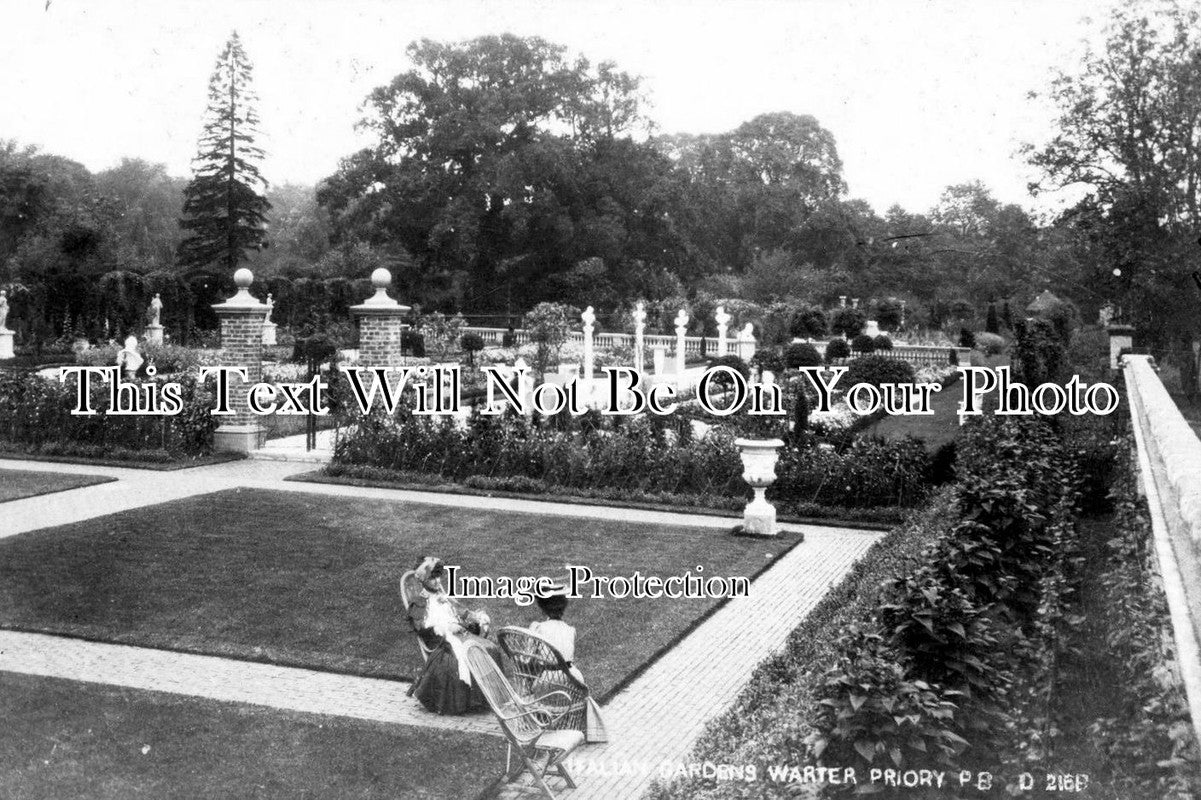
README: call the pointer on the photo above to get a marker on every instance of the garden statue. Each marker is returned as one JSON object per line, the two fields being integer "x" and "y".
{"x": 6, "y": 336}
{"x": 723, "y": 326}
{"x": 639, "y": 316}
{"x": 270, "y": 308}
{"x": 1105, "y": 315}
{"x": 156, "y": 310}
{"x": 128, "y": 358}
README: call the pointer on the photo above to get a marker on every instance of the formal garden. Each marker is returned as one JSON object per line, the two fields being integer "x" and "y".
{"x": 252, "y": 601}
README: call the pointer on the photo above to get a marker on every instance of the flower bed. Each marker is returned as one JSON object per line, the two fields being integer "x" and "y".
{"x": 35, "y": 417}
{"x": 648, "y": 456}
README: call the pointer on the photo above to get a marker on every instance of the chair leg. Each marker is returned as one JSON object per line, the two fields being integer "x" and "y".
{"x": 537, "y": 773}
{"x": 561, "y": 768}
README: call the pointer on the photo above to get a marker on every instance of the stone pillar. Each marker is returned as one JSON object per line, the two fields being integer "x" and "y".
{"x": 639, "y": 334}
{"x": 241, "y": 319}
{"x": 842, "y": 301}
{"x": 1121, "y": 337}
{"x": 681, "y": 331}
{"x": 871, "y": 328}
{"x": 154, "y": 334}
{"x": 723, "y": 326}
{"x": 589, "y": 320}
{"x": 854, "y": 302}
{"x": 381, "y": 320}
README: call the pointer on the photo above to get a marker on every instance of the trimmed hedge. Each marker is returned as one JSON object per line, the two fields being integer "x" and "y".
{"x": 949, "y": 663}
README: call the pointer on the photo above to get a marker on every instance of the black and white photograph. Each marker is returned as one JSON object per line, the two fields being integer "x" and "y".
{"x": 664, "y": 400}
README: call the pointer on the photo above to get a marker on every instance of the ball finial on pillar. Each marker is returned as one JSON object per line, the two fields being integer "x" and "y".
{"x": 243, "y": 278}
{"x": 381, "y": 279}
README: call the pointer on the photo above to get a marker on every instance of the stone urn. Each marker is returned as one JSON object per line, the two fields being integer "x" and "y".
{"x": 759, "y": 458}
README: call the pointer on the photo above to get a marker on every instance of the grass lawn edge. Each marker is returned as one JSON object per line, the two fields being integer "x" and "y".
{"x": 156, "y": 466}
{"x": 92, "y": 480}
{"x": 319, "y": 476}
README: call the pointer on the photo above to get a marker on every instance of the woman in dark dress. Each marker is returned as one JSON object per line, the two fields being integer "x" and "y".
{"x": 445, "y": 686}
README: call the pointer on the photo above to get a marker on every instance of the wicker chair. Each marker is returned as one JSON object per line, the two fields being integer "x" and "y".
{"x": 538, "y": 667}
{"x": 526, "y": 722}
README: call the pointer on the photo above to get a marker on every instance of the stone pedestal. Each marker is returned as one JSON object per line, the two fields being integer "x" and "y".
{"x": 381, "y": 320}
{"x": 154, "y": 334}
{"x": 1121, "y": 337}
{"x": 6, "y": 344}
{"x": 659, "y": 360}
{"x": 269, "y": 334}
{"x": 241, "y": 319}
{"x": 759, "y": 458}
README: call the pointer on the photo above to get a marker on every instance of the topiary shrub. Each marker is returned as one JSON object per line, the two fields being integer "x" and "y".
{"x": 848, "y": 321}
{"x": 967, "y": 338}
{"x": 734, "y": 362}
{"x": 801, "y": 355}
{"x": 471, "y": 343}
{"x": 877, "y": 370}
{"x": 837, "y": 348}
{"x": 863, "y": 343}
{"x": 768, "y": 359}
{"x": 883, "y": 343}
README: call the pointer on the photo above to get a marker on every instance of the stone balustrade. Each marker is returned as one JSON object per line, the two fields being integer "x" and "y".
{"x": 1169, "y": 463}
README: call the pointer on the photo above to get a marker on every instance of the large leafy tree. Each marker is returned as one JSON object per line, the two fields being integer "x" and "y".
{"x": 1129, "y": 136}
{"x": 503, "y": 166}
{"x": 224, "y": 204}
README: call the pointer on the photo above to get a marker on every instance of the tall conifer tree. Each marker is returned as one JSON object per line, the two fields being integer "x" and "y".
{"x": 224, "y": 207}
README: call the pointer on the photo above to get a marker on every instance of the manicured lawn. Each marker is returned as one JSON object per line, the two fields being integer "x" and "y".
{"x": 313, "y": 580}
{"x": 18, "y": 483}
{"x": 935, "y": 430}
{"x": 67, "y": 740}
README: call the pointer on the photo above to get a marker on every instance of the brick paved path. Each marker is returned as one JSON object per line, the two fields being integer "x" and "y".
{"x": 654, "y": 720}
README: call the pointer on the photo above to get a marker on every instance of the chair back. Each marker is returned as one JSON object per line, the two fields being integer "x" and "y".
{"x": 514, "y": 714}
{"x": 409, "y": 587}
{"x": 533, "y": 658}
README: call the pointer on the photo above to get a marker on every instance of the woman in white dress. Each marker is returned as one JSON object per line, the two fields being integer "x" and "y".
{"x": 561, "y": 636}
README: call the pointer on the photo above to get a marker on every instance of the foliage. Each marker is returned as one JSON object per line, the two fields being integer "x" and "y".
{"x": 734, "y": 362}
{"x": 862, "y": 343}
{"x": 882, "y": 342}
{"x": 768, "y": 359}
{"x": 848, "y": 321}
{"x": 890, "y": 313}
{"x": 471, "y": 343}
{"x": 967, "y": 338}
{"x": 224, "y": 207}
{"x": 36, "y": 412}
{"x": 992, "y": 324}
{"x": 990, "y": 344}
{"x": 877, "y": 370}
{"x": 809, "y": 323}
{"x": 1129, "y": 119}
{"x": 801, "y": 355}
{"x": 837, "y": 348}
{"x": 548, "y": 325}
{"x": 1148, "y": 739}
{"x": 1039, "y": 354}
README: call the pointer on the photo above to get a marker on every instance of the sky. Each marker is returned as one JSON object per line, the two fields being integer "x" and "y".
{"x": 919, "y": 94}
